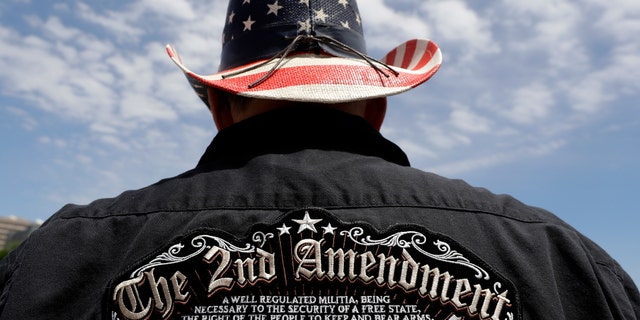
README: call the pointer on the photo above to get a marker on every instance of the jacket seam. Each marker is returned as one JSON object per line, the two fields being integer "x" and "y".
{"x": 284, "y": 209}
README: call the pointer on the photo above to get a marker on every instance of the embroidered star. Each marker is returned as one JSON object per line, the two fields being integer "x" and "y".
{"x": 284, "y": 229}
{"x": 345, "y": 24}
{"x": 307, "y": 223}
{"x": 246, "y": 1}
{"x": 329, "y": 229}
{"x": 273, "y": 8}
{"x": 320, "y": 15}
{"x": 304, "y": 26}
{"x": 233, "y": 14}
{"x": 247, "y": 24}
{"x": 358, "y": 19}
{"x": 305, "y": 2}
{"x": 343, "y": 2}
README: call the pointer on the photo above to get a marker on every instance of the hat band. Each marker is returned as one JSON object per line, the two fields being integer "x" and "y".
{"x": 311, "y": 41}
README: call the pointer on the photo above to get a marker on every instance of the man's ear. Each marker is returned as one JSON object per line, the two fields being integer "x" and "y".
{"x": 375, "y": 111}
{"x": 220, "y": 108}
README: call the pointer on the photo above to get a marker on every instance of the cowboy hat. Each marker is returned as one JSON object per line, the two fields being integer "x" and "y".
{"x": 309, "y": 51}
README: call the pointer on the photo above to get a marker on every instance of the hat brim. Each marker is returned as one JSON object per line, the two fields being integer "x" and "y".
{"x": 309, "y": 77}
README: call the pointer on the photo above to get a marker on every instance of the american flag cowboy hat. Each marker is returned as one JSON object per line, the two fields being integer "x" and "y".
{"x": 310, "y": 51}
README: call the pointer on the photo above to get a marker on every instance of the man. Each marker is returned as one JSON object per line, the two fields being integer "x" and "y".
{"x": 300, "y": 210}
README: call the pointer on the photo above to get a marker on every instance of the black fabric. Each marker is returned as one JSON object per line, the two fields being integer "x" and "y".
{"x": 296, "y": 129}
{"x": 284, "y": 164}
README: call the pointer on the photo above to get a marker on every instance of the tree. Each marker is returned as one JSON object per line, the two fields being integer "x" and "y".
{"x": 8, "y": 248}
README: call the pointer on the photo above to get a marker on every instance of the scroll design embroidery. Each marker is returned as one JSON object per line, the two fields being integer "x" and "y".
{"x": 416, "y": 240}
{"x": 200, "y": 243}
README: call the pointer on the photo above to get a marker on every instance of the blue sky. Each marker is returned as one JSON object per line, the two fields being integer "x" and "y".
{"x": 535, "y": 99}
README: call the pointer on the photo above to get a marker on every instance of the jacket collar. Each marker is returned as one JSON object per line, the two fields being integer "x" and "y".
{"x": 297, "y": 128}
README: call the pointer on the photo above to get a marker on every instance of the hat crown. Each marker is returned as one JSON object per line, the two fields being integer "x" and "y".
{"x": 259, "y": 29}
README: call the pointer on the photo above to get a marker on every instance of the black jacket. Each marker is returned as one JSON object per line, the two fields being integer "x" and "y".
{"x": 309, "y": 212}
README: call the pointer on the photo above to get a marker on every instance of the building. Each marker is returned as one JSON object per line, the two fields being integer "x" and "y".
{"x": 14, "y": 229}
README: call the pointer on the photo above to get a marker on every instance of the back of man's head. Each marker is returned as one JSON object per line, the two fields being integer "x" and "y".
{"x": 308, "y": 52}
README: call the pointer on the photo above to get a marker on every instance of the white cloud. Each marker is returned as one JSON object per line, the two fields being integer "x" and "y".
{"x": 200, "y": 51}
{"x": 619, "y": 19}
{"x": 142, "y": 107}
{"x": 481, "y": 162}
{"x": 625, "y": 69}
{"x": 170, "y": 8}
{"x": 116, "y": 22}
{"x": 464, "y": 119}
{"x": 29, "y": 123}
{"x": 589, "y": 95}
{"x": 74, "y": 74}
{"x": 415, "y": 148}
{"x": 530, "y": 104}
{"x": 59, "y": 143}
{"x": 54, "y": 27}
{"x": 553, "y": 30}
{"x": 457, "y": 24}
{"x": 443, "y": 138}
{"x": 386, "y": 27}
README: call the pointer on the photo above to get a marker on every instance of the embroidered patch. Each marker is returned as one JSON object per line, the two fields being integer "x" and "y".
{"x": 311, "y": 266}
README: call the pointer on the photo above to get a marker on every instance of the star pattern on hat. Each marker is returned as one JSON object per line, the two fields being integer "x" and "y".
{"x": 246, "y": 16}
{"x": 321, "y": 16}
{"x": 304, "y": 26}
{"x": 248, "y": 23}
{"x": 230, "y": 17}
{"x": 274, "y": 8}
